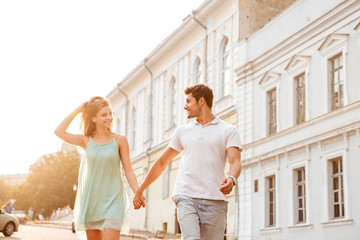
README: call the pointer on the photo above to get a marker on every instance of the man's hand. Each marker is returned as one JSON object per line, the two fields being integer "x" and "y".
{"x": 227, "y": 185}
{"x": 139, "y": 199}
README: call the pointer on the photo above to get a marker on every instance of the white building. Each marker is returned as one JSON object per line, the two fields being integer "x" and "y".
{"x": 292, "y": 88}
{"x": 299, "y": 104}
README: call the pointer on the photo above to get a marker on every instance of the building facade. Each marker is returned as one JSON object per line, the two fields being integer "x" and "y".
{"x": 285, "y": 73}
{"x": 13, "y": 179}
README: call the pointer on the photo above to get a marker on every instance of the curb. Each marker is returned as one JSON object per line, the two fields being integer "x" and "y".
{"x": 50, "y": 225}
{"x": 134, "y": 236}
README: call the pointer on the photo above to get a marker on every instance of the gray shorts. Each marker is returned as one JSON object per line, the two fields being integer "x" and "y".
{"x": 201, "y": 218}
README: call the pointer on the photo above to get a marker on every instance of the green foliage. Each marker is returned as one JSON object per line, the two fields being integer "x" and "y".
{"x": 50, "y": 184}
{"x": 4, "y": 191}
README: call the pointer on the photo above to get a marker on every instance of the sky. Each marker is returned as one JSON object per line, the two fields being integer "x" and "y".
{"x": 54, "y": 55}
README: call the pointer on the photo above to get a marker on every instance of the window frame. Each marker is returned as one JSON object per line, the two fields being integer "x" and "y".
{"x": 265, "y": 174}
{"x": 302, "y": 163}
{"x": 333, "y": 45}
{"x": 269, "y": 82}
{"x": 298, "y": 65}
{"x": 166, "y": 182}
{"x": 302, "y": 113}
{"x": 171, "y": 103}
{"x": 336, "y": 191}
{"x": 132, "y": 130}
{"x": 332, "y": 72}
{"x": 328, "y": 219}
{"x": 268, "y": 107}
{"x": 224, "y": 43}
{"x": 270, "y": 221}
{"x": 197, "y": 73}
{"x": 148, "y": 118}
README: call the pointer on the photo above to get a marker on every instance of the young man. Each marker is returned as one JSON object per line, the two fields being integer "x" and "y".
{"x": 201, "y": 186}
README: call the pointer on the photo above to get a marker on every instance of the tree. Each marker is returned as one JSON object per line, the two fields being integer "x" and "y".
{"x": 4, "y": 190}
{"x": 50, "y": 184}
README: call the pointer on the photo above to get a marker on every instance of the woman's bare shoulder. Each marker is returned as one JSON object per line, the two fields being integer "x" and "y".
{"x": 120, "y": 138}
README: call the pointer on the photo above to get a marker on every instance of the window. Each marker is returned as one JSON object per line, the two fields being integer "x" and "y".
{"x": 300, "y": 98}
{"x": 271, "y": 98}
{"x": 148, "y": 118}
{"x": 197, "y": 71}
{"x": 270, "y": 84}
{"x": 118, "y": 127}
{"x": 166, "y": 181}
{"x": 298, "y": 71}
{"x": 133, "y": 129}
{"x": 336, "y": 187}
{"x": 337, "y": 81}
{"x": 225, "y": 68}
{"x": 300, "y": 195}
{"x": 336, "y": 207}
{"x": 172, "y": 103}
{"x": 270, "y": 201}
{"x": 334, "y": 51}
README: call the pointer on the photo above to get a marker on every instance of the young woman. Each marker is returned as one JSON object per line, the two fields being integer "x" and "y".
{"x": 101, "y": 201}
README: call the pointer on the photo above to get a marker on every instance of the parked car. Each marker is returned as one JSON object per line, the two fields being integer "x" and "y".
{"x": 20, "y": 215}
{"x": 8, "y": 223}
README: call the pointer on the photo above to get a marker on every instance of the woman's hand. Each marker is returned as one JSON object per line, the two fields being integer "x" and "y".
{"x": 82, "y": 107}
{"x": 139, "y": 199}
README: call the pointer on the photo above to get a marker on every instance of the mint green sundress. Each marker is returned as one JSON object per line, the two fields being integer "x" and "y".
{"x": 101, "y": 202}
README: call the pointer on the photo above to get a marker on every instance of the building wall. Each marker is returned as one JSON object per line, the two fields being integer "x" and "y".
{"x": 238, "y": 21}
{"x": 275, "y": 55}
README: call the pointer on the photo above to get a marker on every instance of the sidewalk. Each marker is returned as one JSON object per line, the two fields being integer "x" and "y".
{"x": 150, "y": 235}
{"x": 55, "y": 224}
{"x": 132, "y": 234}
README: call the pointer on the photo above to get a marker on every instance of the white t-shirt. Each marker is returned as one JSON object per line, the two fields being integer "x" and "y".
{"x": 202, "y": 167}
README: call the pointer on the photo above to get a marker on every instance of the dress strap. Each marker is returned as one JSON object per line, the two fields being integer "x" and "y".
{"x": 116, "y": 136}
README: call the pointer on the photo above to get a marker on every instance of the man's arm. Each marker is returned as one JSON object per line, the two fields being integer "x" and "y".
{"x": 234, "y": 156}
{"x": 155, "y": 171}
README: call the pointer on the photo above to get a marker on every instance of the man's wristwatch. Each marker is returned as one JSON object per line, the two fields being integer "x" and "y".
{"x": 234, "y": 179}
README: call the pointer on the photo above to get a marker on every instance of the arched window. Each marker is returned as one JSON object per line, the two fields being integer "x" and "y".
{"x": 197, "y": 71}
{"x": 118, "y": 127}
{"x": 133, "y": 129}
{"x": 148, "y": 117}
{"x": 172, "y": 103}
{"x": 225, "y": 68}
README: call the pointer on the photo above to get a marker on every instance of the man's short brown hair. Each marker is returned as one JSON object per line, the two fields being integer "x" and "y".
{"x": 201, "y": 90}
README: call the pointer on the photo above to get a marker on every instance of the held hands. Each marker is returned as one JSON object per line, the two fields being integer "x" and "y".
{"x": 227, "y": 185}
{"x": 139, "y": 199}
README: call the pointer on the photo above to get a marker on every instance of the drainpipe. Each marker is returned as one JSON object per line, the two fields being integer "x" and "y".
{"x": 126, "y": 107}
{"x": 206, "y": 43}
{"x": 150, "y": 135}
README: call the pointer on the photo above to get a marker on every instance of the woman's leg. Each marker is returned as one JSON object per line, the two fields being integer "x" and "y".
{"x": 93, "y": 234}
{"x": 110, "y": 234}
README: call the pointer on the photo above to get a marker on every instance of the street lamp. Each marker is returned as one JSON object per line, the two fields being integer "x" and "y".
{"x": 75, "y": 187}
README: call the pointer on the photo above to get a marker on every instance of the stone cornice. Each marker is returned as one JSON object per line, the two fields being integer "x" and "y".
{"x": 292, "y": 41}
{"x": 185, "y": 29}
{"x": 354, "y": 126}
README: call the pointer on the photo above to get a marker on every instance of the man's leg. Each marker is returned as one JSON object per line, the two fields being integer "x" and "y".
{"x": 188, "y": 218}
{"x": 213, "y": 219}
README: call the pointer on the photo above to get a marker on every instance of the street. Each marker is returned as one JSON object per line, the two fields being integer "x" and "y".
{"x": 41, "y": 233}
{"x": 27, "y": 232}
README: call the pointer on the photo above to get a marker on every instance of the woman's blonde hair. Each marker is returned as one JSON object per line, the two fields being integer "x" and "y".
{"x": 92, "y": 107}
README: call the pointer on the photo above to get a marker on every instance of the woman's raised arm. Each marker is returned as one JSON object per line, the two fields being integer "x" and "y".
{"x": 75, "y": 139}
